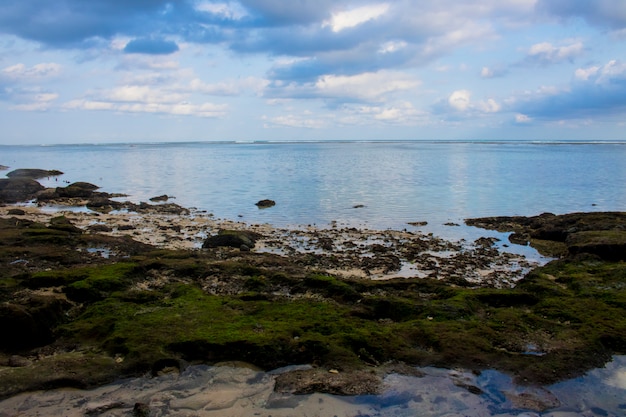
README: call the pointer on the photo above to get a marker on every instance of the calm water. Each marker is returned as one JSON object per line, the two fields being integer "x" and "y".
{"x": 316, "y": 183}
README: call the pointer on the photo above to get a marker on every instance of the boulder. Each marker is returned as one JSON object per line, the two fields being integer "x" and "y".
{"x": 14, "y": 190}
{"x": 232, "y": 238}
{"x": 265, "y": 203}
{"x": 77, "y": 190}
{"x": 33, "y": 173}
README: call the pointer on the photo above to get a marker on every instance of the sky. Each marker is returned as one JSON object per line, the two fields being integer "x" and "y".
{"x": 104, "y": 71}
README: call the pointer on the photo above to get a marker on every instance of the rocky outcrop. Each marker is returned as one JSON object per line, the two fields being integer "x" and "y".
{"x": 13, "y": 190}
{"x": 602, "y": 233}
{"x": 232, "y": 238}
{"x": 33, "y": 173}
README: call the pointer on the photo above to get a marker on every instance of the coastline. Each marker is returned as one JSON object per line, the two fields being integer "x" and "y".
{"x": 464, "y": 311}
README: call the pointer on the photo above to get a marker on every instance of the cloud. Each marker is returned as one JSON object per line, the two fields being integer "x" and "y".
{"x": 295, "y": 121}
{"x": 366, "y": 86}
{"x": 460, "y": 100}
{"x": 459, "y": 104}
{"x": 605, "y": 13}
{"x": 247, "y": 85}
{"x": 546, "y": 53}
{"x": 354, "y": 17}
{"x": 208, "y": 110}
{"x": 36, "y": 72}
{"x": 151, "y": 46}
{"x": 595, "y": 93}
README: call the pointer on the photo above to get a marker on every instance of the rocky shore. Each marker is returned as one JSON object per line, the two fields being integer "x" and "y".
{"x": 94, "y": 288}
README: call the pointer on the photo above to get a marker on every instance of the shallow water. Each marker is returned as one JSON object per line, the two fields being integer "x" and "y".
{"x": 229, "y": 391}
{"x": 372, "y": 184}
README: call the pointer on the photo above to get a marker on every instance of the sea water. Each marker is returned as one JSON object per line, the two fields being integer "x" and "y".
{"x": 378, "y": 185}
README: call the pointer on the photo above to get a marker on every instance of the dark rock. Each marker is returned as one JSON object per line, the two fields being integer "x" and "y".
{"x": 33, "y": 173}
{"x": 62, "y": 223}
{"x": 163, "y": 197}
{"x": 265, "y": 203}
{"x": 3, "y": 167}
{"x": 325, "y": 243}
{"x": 232, "y": 238}
{"x": 16, "y": 212}
{"x": 99, "y": 228}
{"x": 485, "y": 242}
{"x": 13, "y": 190}
{"x": 418, "y": 224}
{"x": 30, "y": 323}
{"x": 609, "y": 245}
{"x": 77, "y": 190}
{"x": 357, "y": 206}
{"x": 141, "y": 410}
{"x": 168, "y": 208}
{"x": 519, "y": 238}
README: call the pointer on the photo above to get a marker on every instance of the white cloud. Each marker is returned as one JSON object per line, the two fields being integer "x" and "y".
{"x": 368, "y": 86}
{"x": 246, "y": 85}
{"x": 229, "y": 10}
{"x": 548, "y": 53}
{"x": 178, "y": 109}
{"x": 40, "y": 102}
{"x": 38, "y": 71}
{"x": 392, "y": 46}
{"x": 489, "y": 106}
{"x": 614, "y": 69}
{"x": 585, "y": 73}
{"x": 304, "y": 121}
{"x": 460, "y": 100}
{"x": 351, "y": 18}
{"x": 522, "y": 118}
{"x": 135, "y": 93}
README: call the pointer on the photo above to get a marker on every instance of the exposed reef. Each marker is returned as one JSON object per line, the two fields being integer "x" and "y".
{"x": 84, "y": 302}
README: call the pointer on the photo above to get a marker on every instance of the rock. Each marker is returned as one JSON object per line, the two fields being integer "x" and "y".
{"x": 3, "y": 167}
{"x": 519, "y": 238}
{"x": 17, "y": 361}
{"x": 163, "y": 197}
{"x": 265, "y": 203}
{"x": 62, "y": 223}
{"x": 485, "y": 242}
{"x": 336, "y": 383}
{"x": 232, "y": 238}
{"x": 77, "y": 190}
{"x": 30, "y": 323}
{"x": 33, "y": 173}
{"x": 99, "y": 228}
{"x": 609, "y": 245}
{"x": 418, "y": 224}
{"x": 141, "y": 410}
{"x": 16, "y": 212}
{"x": 14, "y": 190}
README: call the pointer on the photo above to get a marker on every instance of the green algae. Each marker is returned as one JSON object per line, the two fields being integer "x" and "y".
{"x": 164, "y": 306}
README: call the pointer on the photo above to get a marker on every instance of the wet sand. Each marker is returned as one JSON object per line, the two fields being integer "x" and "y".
{"x": 240, "y": 391}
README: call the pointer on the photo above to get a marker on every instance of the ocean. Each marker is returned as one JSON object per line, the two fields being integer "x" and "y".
{"x": 378, "y": 185}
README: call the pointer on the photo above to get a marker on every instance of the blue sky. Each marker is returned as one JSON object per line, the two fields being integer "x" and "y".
{"x": 76, "y": 71}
